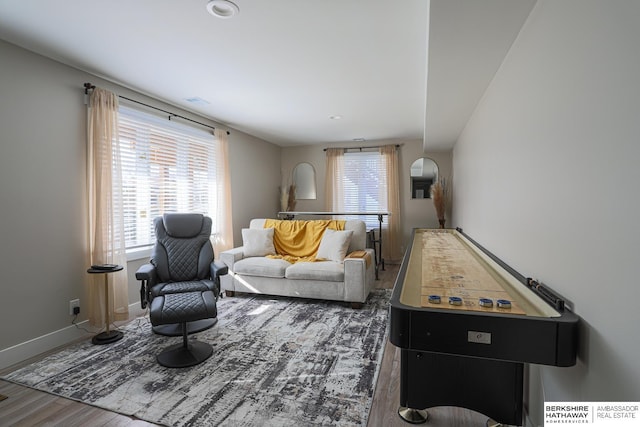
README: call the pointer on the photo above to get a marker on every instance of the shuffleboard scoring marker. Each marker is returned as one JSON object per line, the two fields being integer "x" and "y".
{"x": 485, "y": 302}
{"x": 504, "y": 303}
{"x": 455, "y": 300}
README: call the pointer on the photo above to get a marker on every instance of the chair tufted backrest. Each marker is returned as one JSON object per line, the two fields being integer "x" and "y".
{"x": 183, "y": 250}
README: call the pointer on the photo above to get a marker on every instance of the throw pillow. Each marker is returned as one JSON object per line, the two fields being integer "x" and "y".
{"x": 334, "y": 244}
{"x": 258, "y": 241}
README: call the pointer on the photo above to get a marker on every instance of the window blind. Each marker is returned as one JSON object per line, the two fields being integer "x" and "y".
{"x": 365, "y": 185}
{"x": 166, "y": 167}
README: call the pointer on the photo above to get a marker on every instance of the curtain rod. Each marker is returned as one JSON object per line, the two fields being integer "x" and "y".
{"x": 360, "y": 148}
{"x": 89, "y": 86}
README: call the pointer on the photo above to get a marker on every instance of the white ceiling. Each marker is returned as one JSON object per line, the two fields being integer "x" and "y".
{"x": 281, "y": 68}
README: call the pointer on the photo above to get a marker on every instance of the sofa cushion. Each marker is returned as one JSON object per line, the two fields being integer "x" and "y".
{"x": 257, "y": 242}
{"x": 334, "y": 244}
{"x": 261, "y": 266}
{"x": 322, "y": 270}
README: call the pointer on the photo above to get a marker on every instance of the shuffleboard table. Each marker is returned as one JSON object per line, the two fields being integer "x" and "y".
{"x": 466, "y": 324}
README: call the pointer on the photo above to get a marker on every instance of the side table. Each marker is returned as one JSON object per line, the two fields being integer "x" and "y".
{"x": 108, "y": 336}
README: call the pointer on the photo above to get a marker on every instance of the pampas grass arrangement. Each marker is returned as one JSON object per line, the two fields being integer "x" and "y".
{"x": 284, "y": 199}
{"x": 291, "y": 205}
{"x": 438, "y": 196}
{"x": 288, "y": 198}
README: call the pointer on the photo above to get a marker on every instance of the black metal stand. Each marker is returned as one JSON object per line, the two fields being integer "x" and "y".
{"x": 189, "y": 353}
{"x": 108, "y": 336}
{"x": 377, "y": 246}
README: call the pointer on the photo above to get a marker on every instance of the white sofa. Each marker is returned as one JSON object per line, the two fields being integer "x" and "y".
{"x": 350, "y": 280}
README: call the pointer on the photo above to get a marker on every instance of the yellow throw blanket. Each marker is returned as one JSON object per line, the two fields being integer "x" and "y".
{"x": 299, "y": 240}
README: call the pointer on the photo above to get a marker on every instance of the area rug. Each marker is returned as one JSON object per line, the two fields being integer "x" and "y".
{"x": 276, "y": 362}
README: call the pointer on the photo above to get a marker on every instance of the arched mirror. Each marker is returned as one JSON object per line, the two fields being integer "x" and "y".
{"x": 424, "y": 172}
{"x": 304, "y": 178}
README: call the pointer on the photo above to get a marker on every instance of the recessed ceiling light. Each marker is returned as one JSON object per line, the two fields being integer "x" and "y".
{"x": 358, "y": 139}
{"x": 223, "y": 9}
{"x": 335, "y": 117}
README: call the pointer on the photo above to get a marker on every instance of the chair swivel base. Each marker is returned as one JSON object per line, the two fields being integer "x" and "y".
{"x": 175, "y": 329}
{"x": 107, "y": 337}
{"x": 179, "y": 356}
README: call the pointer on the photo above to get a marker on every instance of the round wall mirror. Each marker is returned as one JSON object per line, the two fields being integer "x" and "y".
{"x": 424, "y": 172}
{"x": 304, "y": 178}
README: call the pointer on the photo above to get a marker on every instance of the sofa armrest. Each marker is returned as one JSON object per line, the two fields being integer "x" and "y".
{"x": 358, "y": 278}
{"x": 229, "y": 257}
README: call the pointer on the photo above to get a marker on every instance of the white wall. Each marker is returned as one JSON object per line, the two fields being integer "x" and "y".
{"x": 42, "y": 184}
{"x": 420, "y": 212}
{"x": 414, "y": 213}
{"x": 42, "y": 193}
{"x": 546, "y": 177}
{"x": 255, "y": 177}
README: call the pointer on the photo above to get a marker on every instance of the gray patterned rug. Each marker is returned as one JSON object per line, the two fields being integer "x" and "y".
{"x": 276, "y": 362}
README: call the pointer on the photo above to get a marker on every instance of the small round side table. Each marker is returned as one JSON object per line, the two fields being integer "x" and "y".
{"x": 108, "y": 336}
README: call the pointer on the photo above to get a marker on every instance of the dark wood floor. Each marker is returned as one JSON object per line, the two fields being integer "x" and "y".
{"x": 27, "y": 407}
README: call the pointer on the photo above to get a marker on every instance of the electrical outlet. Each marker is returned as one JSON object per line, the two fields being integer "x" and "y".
{"x": 73, "y": 304}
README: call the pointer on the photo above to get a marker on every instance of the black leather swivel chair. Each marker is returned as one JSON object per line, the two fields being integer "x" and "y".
{"x": 182, "y": 261}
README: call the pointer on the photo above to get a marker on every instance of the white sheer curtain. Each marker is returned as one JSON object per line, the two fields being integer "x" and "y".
{"x": 334, "y": 195}
{"x": 333, "y": 184}
{"x": 391, "y": 246}
{"x": 106, "y": 243}
{"x": 223, "y": 238}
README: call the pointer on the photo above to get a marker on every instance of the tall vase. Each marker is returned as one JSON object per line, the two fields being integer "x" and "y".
{"x": 442, "y": 221}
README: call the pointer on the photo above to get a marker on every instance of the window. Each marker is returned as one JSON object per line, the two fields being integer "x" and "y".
{"x": 166, "y": 167}
{"x": 365, "y": 185}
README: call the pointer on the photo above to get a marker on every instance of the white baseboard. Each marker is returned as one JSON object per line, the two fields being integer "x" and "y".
{"x": 42, "y": 344}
